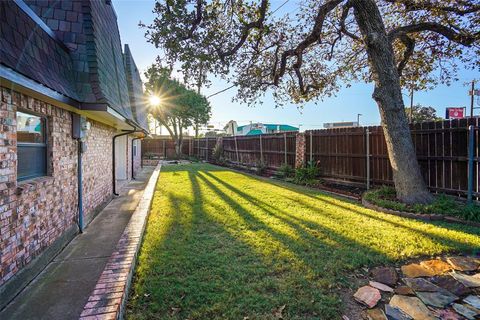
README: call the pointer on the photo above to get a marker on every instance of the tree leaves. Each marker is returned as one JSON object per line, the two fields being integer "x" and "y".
{"x": 274, "y": 54}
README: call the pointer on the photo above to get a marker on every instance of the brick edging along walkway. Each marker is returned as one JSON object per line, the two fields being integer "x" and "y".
{"x": 107, "y": 300}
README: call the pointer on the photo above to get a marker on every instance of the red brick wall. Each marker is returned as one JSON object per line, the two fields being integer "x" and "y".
{"x": 300, "y": 150}
{"x": 34, "y": 213}
{"x": 97, "y": 166}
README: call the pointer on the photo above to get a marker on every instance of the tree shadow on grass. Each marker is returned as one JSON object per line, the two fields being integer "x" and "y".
{"x": 403, "y": 223}
{"x": 325, "y": 253}
{"x": 198, "y": 269}
{"x": 227, "y": 253}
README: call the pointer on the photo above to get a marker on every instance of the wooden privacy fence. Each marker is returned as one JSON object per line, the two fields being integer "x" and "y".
{"x": 203, "y": 148}
{"x": 352, "y": 154}
{"x": 164, "y": 148}
{"x": 360, "y": 154}
{"x": 272, "y": 150}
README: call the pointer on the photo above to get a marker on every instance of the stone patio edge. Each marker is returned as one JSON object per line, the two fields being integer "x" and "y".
{"x": 107, "y": 300}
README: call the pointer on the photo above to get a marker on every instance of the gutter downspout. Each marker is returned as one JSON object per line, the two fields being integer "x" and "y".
{"x": 133, "y": 175}
{"x": 114, "y": 184}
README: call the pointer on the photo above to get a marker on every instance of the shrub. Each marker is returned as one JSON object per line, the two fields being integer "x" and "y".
{"x": 286, "y": 171}
{"x": 307, "y": 174}
{"x": 386, "y": 197}
{"x": 218, "y": 153}
{"x": 260, "y": 167}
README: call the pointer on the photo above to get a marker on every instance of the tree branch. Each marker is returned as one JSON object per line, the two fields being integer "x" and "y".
{"x": 343, "y": 28}
{"x": 411, "y": 5}
{"x": 246, "y": 31}
{"x": 196, "y": 22}
{"x": 407, "y": 54}
{"x": 312, "y": 38}
{"x": 449, "y": 33}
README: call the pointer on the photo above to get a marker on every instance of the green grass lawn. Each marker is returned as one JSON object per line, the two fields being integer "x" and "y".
{"x": 225, "y": 245}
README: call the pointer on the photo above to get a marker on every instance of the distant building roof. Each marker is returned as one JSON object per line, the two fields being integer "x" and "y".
{"x": 254, "y": 132}
{"x": 281, "y": 127}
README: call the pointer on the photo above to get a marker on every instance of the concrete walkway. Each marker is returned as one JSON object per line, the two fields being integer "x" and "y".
{"x": 63, "y": 288}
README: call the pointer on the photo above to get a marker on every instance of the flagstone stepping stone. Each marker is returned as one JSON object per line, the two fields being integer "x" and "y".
{"x": 466, "y": 280}
{"x": 465, "y": 311}
{"x": 445, "y": 314}
{"x": 368, "y": 296}
{"x": 449, "y": 283}
{"x": 415, "y": 270}
{"x": 420, "y": 284}
{"x": 386, "y": 275}
{"x": 474, "y": 301}
{"x": 404, "y": 290}
{"x": 393, "y": 313}
{"x": 463, "y": 263}
{"x": 437, "y": 266}
{"x": 380, "y": 286}
{"x": 439, "y": 299}
{"x": 412, "y": 306}
{"x": 375, "y": 314}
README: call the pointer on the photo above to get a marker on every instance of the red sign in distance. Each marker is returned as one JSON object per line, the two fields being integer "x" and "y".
{"x": 455, "y": 113}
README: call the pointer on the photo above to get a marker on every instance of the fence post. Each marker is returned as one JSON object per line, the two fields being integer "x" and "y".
{"x": 285, "y": 146}
{"x": 261, "y": 148}
{"x": 236, "y": 149}
{"x": 367, "y": 151}
{"x": 311, "y": 147}
{"x": 471, "y": 133}
{"x": 206, "y": 151}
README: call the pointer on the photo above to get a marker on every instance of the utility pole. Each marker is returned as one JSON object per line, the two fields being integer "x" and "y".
{"x": 472, "y": 98}
{"x": 358, "y": 119}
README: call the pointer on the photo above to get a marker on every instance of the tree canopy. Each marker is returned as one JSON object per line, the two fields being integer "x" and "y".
{"x": 422, "y": 113}
{"x": 313, "y": 49}
{"x": 180, "y": 107}
{"x": 310, "y": 51}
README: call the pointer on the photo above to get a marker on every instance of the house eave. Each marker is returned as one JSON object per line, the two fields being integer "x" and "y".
{"x": 100, "y": 112}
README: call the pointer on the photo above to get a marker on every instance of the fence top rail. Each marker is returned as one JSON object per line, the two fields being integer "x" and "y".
{"x": 451, "y": 124}
{"x": 279, "y": 135}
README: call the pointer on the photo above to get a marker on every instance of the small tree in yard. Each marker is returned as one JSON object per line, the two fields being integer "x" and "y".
{"x": 319, "y": 45}
{"x": 180, "y": 107}
{"x": 421, "y": 113}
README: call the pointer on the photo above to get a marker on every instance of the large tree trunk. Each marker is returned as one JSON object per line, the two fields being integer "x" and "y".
{"x": 407, "y": 177}
{"x": 178, "y": 148}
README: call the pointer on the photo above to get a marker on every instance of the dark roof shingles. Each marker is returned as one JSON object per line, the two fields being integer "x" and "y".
{"x": 29, "y": 50}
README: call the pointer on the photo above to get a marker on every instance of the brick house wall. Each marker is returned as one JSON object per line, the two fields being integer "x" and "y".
{"x": 36, "y": 212}
{"x": 137, "y": 159}
{"x": 97, "y": 167}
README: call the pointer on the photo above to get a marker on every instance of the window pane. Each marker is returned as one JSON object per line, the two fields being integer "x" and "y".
{"x": 32, "y": 161}
{"x": 30, "y": 128}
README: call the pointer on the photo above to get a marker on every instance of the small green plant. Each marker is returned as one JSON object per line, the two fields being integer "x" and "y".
{"x": 307, "y": 174}
{"x": 218, "y": 153}
{"x": 286, "y": 171}
{"x": 386, "y": 197}
{"x": 260, "y": 167}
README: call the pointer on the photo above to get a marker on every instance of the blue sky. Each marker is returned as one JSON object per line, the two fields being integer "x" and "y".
{"x": 344, "y": 107}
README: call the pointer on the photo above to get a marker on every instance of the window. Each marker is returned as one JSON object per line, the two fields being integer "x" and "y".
{"x": 31, "y": 146}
